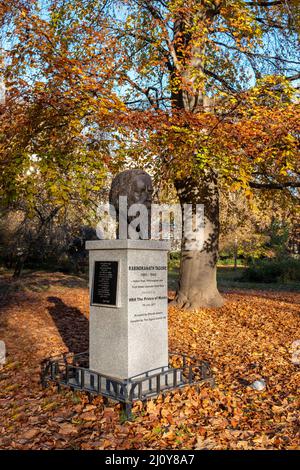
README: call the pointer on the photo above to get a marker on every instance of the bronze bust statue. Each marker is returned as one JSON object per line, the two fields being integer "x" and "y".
{"x": 137, "y": 186}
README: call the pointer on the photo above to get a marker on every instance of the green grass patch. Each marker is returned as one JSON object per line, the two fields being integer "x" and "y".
{"x": 230, "y": 278}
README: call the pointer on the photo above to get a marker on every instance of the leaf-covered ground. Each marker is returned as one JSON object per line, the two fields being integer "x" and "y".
{"x": 249, "y": 338}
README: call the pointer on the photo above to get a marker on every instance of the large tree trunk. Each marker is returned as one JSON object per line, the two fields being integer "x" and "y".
{"x": 197, "y": 280}
{"x": 198, "y": 268}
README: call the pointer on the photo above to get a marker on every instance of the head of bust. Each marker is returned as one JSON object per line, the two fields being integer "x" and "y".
{"x": 136, "y": 185}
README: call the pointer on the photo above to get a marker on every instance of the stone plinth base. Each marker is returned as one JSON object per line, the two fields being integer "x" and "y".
{"x": 128, "y": 307}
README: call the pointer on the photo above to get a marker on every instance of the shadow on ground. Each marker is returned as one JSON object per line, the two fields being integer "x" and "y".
{"x": 38, "y": 282}
{"x": 72, "y": 325}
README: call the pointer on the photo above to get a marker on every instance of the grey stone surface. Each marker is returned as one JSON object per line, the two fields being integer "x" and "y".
{"x": 131, "y": 338}
{"x": 127, "y": 245}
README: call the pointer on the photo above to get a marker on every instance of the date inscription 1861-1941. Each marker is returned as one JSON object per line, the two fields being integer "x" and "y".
{"x": 105, "y": 283}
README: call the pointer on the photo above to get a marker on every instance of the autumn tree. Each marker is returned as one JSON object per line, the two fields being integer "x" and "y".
{"x": 194, "y": 61}
{"x": 203, "y": 88}
{"x": 52, "y": 149}
{"x": 257, "y": 226}
{"x": 56, "y": 113}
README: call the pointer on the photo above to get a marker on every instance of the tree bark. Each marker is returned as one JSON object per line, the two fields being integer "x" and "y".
{"x": 198, "y": 268}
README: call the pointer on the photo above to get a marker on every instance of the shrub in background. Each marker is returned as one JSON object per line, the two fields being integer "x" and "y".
{"x": 273, "y": 270}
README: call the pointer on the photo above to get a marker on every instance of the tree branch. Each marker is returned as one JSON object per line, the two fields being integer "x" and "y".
{"x": 256, "y": 54}
{"x": 157, "y": 16}
{"x": 266, "y": 4}
{"x": 273, "y": 24}
{"x": 288, "y": 184}
{"x": 145, "y": 91}
{"x": 293, "y": 77}
{"x": 219, "y": 79}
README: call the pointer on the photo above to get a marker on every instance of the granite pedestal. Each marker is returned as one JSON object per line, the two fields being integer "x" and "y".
{"x": 128, "y": 306}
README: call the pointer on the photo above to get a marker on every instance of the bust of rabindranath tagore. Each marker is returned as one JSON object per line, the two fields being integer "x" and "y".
{"x": 137, "y": 186}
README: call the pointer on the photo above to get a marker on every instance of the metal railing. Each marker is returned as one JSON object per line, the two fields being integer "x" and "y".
{"x": 71, "y": 370}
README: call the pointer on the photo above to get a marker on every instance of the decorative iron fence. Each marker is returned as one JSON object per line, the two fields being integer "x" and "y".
{"x": 71, "y": 370}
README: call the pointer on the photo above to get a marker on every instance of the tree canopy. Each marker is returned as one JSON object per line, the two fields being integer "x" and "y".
{"x": 205, "y": 83}
{"x": 203, "y": 92}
